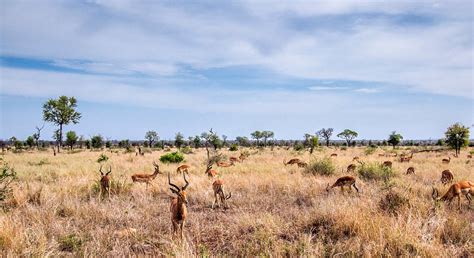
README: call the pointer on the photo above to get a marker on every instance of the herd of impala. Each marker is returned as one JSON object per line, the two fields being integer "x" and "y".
{"x": 178, "y": 207}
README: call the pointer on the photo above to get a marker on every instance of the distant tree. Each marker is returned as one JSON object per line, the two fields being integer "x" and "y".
{"x": 266, "y": 135}
{"x": 257, "y": 135}
{"x": 108, "y": 144}
{"x": 242, "y": 141}
{"x": 326, "y": 134}
{"x": 88, "y": 144}
{"x": 394, "y": 139}
{"x": 124, "y": 144}
{"x": 314, "y": 142}
{"x": 197, "y": 141}
{"x": 457, "y": 136}
{"x": 179, "y": 140}
{"x": 348, "y": 135}
{"x": 97, "y": 141}
{"x": 37, "y": 135}
{"x": 440, "y": 142}
{"x": 224, "y": 140}
{"x": 30, "y": 141}
{"x": 151, "y": 137}
{"x": 71, "y": 139}
{"x": 307, "y": 140}
{"x": 61, "y": 112}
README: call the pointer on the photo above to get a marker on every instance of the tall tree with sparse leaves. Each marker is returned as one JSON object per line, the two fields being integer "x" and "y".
{"x": 326, "y": 133}
{"x": 151, "y": 137}
{"x": 61, "y": 111}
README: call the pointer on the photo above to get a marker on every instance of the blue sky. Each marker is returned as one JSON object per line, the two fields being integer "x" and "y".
{"x": 186, "y": 66}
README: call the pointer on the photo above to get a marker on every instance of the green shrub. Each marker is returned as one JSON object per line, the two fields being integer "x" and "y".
{"x": 7, "y": 175}
{"x": 186, "y": 150}
{"x": 234, "y": 147}
{"x": 369, "y": 151}
{"x": 102, "y": 158}
{"x": 375, "y": 171}
{"x": 323, "y": 167}
{"x": 298, "y": 147}
{"x": 70, "y": 243}
{"x": 173, "y": 157}
{"x": 343, "y": 148}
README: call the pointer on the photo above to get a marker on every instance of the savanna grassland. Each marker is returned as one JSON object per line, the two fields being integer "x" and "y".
{"x": 275, "y": 210}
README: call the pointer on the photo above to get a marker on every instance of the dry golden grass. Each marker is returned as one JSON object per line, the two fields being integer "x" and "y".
{"x": 275, "y": 210}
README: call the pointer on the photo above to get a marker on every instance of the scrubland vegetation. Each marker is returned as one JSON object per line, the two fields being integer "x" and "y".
{"x": 275, "y": 210}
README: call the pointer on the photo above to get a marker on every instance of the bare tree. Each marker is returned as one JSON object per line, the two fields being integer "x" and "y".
{"x": 37, "y": 135}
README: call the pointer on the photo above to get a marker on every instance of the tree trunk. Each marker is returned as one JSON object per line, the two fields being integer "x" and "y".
{"x": 327, "y": 142}
{"x": 60, "y": 140}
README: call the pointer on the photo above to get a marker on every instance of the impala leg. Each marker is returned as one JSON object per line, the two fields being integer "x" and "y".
{"x": 181, "y": 228}
{"x": 215, "y": 200}
{"x": 459, "y": 201}
{"x": 357, "y": 189}
{"x": 342, "y": 189}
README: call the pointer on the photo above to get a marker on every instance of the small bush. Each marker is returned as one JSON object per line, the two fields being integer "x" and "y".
{"x": 7, "y": 175}
{"x": 369, "y": 151}
{"x": 298, "y": 147}
{"x": 375, "y": 171}
{"x": 343, "y": 148}
{"x": 323, "y": 167}
{"x": 393, "y": 202}
{"x": 186, "y": 150}
{"x": 173, "y": 157}
{"x": 40, "y": 163}
{"x": 102, "y": 158}
{"x": 70, "y": 243}
{"x": 234, "y": 147}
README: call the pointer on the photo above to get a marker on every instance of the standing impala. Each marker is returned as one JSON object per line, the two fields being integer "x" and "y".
{"x": 183, "y": 168}
{"x": 344, "y": 181}
{"x": 455, "y": 190}
{"x": 218, "y": 187}
{"x": 105, "y": 182}
{"x": 178, "y": 205}
{"x": 146, "y": 178}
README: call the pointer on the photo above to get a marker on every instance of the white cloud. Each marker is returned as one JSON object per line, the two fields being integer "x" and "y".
{"x": 321, "y": 88}
{"x": 367, "y": 90}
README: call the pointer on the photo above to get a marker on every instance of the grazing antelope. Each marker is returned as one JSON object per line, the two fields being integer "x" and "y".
{"x": 446, "y": 176}
{"x": 446, "y": 161}
{"x": 469, "y": 156}
{"x": 344, "y": 181}
{"x": 334, "y": 155}
{"x": 183, "y": 168}
{"x": 355, "y": 158}
{"x": 292, "y": 162}
{"x": 209, "y": 171}
{"x": 218, "y": 187}
{"x": 178, "y": 206}
{"x": 351, "y": 168}
{"x": 234, "y": 159}
{"x": 455, "y": 190}
{"x": 410, "y": 170}
{"x": 145, "y": 178}
{"x": 105, "y": 182}
{"x": 387, "y": 164}
{"x": 224, "y": 164}
{"x": 302, "y": 164}
{"x": 381, "y": 155}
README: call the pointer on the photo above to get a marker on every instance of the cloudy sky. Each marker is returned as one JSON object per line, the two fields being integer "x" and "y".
{"x": 238, "y": 66}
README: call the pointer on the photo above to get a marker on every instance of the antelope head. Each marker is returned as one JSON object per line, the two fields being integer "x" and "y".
{"x": 180, "y": 192}
{"x": 105, "y": 174}
{"x": 157, "y": 168}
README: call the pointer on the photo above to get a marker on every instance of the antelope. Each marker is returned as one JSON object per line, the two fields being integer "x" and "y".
{"x": 446, "y": 176}
{"x": 105, "y": 182}
{"x": 344, "y": 181}
{"x": 410, "y": 170}
{"x": 302, "y": 164}
{"x": 209, "y": 171}
{"x": 351, "y": 168}
{"x": 145, "y": 178}
{"x": 242, "y": 157}
{"x": 334, "y": 155}
{"x": 234, "y": 159}
{"x": 183, "y": 168}
{"x": 462, "y": 187}
{"x": 446, "y": 161}
{"x": 292, "y": 162}
{"x": 224, "y": 164}
{"x": 355, "y": 158}
{"x": 387, "y": 164}
{"x": 178, "y": 204}
{"x": 381, "y": 155}
{"x": 218, "y": 187}
{"x": 407, "y": 159}
{"x": 469, "y": 156}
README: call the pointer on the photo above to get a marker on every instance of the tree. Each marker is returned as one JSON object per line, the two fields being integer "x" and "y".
{"x": 30, "y": 141}
{"x": 457, "y": 136}
{"x": 71, "y": 139}
{"x": 394, "y": 139}
{"x": 179, "y": 140}
{"x": 197, "y": 141}
{"x": 61, "y": 112}
{"x": 224, "y": 140}
{"x": 97, "y": 141}
{"x": 314, "y": 142}
{"x": 257, "y": 135}
{"x": 243, "y": 141}
{"x": 266, "y": 135}
{"x": 326, "y": 134}
{"x": 348, "y": 135}
{"x": 151, "y": 136}
{"x": 307, "y": 139}
{"x": 37, "y": 135}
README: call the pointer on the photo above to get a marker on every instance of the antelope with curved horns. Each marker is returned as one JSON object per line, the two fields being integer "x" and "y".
{"x": 145, "y": 178}
{"x": 178, "y": 205}
{"x": 462, "y": 187}
{"x": 291, "y": 161}
{"x": 387, "y": 164}
{"x": 211, "y": 173}
{"x": 410, "y": 170}
{"x": 105, "y": 182}
{"x": 218, "y": 187}
{"x": 183, "y": 168}
{"x": 446, "y": 161}
{"x": 344, "y": 181}
{"x": 447, "y": 176}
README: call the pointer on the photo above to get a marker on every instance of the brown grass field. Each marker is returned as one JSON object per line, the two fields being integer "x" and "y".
{"x": 275, "y": 210}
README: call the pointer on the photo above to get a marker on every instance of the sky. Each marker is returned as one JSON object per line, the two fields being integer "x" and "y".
{"x": 292, "y": 67}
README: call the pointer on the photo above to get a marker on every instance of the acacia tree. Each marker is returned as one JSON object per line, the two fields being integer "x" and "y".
{"x": 61, "y": 112}
{"x": 266, "y": 135}
{"x": 37, "y": 135}
{"x": 71, "y": 139}
{"x": 151, "y": 136}
{"x": 326, "y": 134}
{"x": 457, "y": 136}
{"x": 348, "y": 135}
{"x": 394, "y": 139}
{"x": 257, "y": 135}
{"x": 179, "y": 140}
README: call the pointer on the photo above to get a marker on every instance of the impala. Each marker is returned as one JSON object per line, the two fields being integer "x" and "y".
{"x": 351, "y": 168}
{"x": 105, "y": 182}
{"x": 242, "y": 157}
{"x": 209, "y": 171}
{"x": 410, "y": 170}
{"x": 183, "y": 168}
{"x": 292, "y": 162}
{"x": 234, "y": 159}
{"x": 224, "y": 164}
{"x": 218, "y": 187}
{"x": 455, "y": 190}
{"x": 146, "y": 178}
{"x": 469, "y": 156}
{"x": 355, "y": 158}
{"x": 446, "y": 176}
{"x": 178, "y": 206}
{"x": 405, "y": 158}
{"x": 387, "y": 164}
{"x": 302, "y": 164}
{"x": 334, "y": 155}
{"x": 344, "y": 181}
{"x": 446, "y": 161}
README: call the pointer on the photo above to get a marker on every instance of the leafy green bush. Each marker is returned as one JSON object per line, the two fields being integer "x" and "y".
{"x": 173, "y": 157}
{"x": 6, "y": 177}
{"x": 70, "y": 243}
{"x": 343, "y": 148}
{"x": 186, "y": 150}
{"x": 375, "y": 171}
{"x": 369, "y": 151}
{"x": 324, "y": 167}
{"x": 102, "y": 158}
{"x": 234, "y": 147}
{"x": 298, "y": 147}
